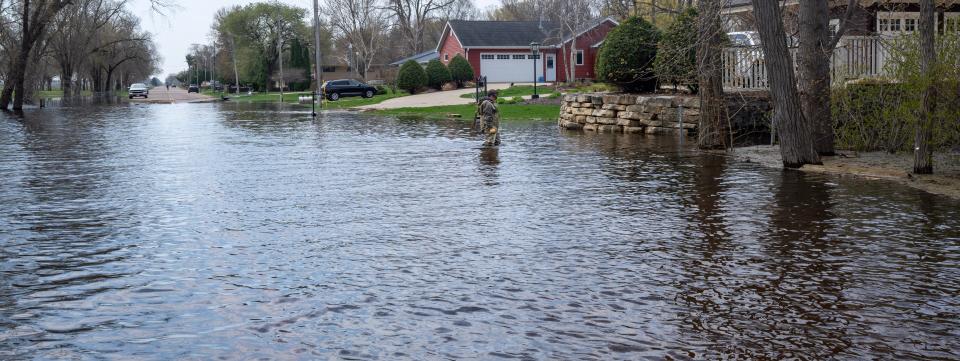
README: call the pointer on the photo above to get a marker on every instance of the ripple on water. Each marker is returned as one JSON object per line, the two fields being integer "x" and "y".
{"x": 240, "y": 232}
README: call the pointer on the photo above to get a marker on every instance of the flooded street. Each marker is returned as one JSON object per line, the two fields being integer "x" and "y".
{"x": 206, "y": 231}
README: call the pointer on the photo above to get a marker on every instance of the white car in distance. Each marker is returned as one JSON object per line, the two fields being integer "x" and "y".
{"x": 139, "y": 90}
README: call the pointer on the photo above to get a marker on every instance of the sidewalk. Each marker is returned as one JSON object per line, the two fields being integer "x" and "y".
{"x": 424, "y": 100}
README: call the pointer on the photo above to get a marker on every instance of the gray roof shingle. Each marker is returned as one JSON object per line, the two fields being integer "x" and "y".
{"x": 500, "y": 33}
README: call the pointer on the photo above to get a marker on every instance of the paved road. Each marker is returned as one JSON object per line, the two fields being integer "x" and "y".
{"x": 174, "y": 95}
{"x": 451, "y": 97}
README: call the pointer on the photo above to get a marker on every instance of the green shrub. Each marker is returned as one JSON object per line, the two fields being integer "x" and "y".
{"x": 382, "y": 89}
{"x": 627, "y": 55}
{"x": 411, "y": 77}
{"x": 676, "y": 61}
{"x": 437, "y": 74}
{"x": 460, "y": 70}
{"x": 882, "y": 114}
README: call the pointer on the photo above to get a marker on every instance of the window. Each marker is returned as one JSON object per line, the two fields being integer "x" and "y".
{"x": 909, "y": 25}
{"x": 503, "y": 57}
{"x": 329, "y": 69}
{"x": 549, "y": 62}
{"x": 834, "y": 27}
{"x": 534, "y": 56}
{"x": 579, "y": 57}
{"x": 519, "y": 57}
{"x": 487, "y": 56}
{"x": 446, "y": 57}
{"x": 893, "y": 23}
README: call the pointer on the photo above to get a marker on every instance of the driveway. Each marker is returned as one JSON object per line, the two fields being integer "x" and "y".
{"x": 450, "y": 97}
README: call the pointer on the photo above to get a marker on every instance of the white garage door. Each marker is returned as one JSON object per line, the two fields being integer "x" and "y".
{"x": 509, "y": 68}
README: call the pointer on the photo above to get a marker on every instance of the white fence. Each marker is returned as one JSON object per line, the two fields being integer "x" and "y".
{"x": 854, "y": 57}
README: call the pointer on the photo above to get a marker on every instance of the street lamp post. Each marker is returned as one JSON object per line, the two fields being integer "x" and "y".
{"x": 535, "y": 53}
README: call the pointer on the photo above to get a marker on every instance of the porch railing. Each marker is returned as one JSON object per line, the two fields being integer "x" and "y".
{"x": 854, "y": 57}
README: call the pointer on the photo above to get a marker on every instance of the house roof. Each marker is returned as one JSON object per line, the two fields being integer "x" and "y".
{"x": 512, "y": 34}
{"x": 421, "y": 58}
{"x": 478, "y": 34}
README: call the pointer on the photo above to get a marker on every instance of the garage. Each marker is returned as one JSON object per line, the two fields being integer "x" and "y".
{"x": 509, "y": 68}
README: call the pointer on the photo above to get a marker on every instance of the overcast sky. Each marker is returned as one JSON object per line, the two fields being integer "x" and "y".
{"x": 189, "y": 23}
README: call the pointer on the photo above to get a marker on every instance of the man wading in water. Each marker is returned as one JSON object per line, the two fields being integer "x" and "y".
{"x": 490, "y": 119}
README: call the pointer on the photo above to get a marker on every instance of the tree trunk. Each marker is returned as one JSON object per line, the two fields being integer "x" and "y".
{"x": 813, "y": 60}
{"x": 796, "y": 141}
{"x": 714, "y": 125}
{"x": 66, "y": 79}
{"x": 923, "y": 158}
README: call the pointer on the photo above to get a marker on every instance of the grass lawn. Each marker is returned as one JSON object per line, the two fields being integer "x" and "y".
{"x": 516, "y": 91}
{"x": 466, "y": 111}
{"x": 343, "y": 103}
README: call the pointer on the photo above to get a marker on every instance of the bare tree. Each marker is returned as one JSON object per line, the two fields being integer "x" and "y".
{"x": 923, "y": 157}
{"x": 571, "y": 16}
{"x": 714, "y": 123}
{"x": 412, "y": 18}
{"x": 74, "y": 36}
{"x": 32, "y": 20}
{"x": 360, "y": 23}
{"x": 796, "y": 142}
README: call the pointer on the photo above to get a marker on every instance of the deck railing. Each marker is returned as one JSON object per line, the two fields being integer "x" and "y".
{"x": 854, "y": 57}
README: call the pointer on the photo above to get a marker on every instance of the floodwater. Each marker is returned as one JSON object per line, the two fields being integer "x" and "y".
{"x": 242, "y": 232}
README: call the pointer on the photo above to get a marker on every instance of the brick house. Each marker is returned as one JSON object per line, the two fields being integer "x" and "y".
{"x": 500, "y": 50}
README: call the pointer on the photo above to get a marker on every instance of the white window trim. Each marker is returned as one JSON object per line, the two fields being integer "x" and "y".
{"x": 446, "y": 56}
{"x": 901, "y": 16}
{"x": 580, "y": 57}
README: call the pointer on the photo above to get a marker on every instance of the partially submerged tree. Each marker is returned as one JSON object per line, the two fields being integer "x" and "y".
{"x": 923, "y": 156}
{"x": 796, "y": 140}
{"x": 714, "y": 127}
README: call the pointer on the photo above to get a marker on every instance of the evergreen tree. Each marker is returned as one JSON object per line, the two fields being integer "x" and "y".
{"x": 460, "y": 70}
{"x": 626, "y": 58}
{"x": 411, "y": 77}
{"x": 676, "y": 62}
{"x": 437, "y": 74}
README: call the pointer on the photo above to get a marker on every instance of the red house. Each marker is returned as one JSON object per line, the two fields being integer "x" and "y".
{"x": 500, "y": 50}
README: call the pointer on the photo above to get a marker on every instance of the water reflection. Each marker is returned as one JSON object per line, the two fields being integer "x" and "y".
{"x": 255, "y": 231}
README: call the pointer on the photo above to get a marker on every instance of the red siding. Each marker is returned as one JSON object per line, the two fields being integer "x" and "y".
{"x": 584, "y": 42}
{"x": 451, "y": 46}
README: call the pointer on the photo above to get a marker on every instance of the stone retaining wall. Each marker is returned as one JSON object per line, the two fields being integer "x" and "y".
{"x": 658, "y": 114}
{"x": 626, "y": 113}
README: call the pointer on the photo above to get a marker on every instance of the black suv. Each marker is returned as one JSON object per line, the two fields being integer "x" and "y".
{"x": 335, "y": 89}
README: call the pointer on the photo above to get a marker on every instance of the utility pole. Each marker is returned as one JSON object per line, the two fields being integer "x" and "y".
{"x": 316, "y": 54}
{"x": 280, "y": 56}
